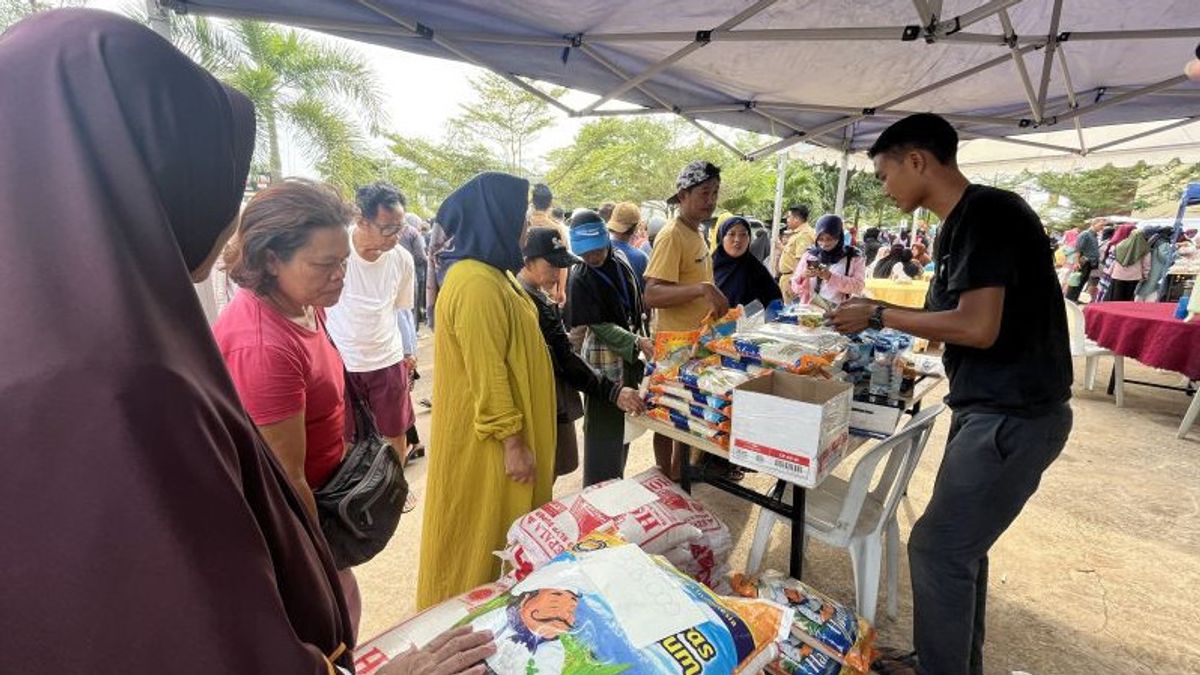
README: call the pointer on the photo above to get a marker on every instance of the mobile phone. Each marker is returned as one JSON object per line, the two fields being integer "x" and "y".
{"x": 814, "y": 265}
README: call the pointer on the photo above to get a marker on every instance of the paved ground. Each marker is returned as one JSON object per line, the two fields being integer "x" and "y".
{"x": 1100, "y": 574}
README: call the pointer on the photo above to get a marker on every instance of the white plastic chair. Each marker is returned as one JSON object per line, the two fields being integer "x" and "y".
{"x": 851, "y": 515}
{"x": 1082, "y": 346}
{"x": 1189, "y": 418}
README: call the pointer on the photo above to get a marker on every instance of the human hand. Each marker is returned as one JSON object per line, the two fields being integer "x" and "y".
{"x": 411, "y": 361}
{"x": 717, "y": 300}
{"x": 824, "y": 273}
{"x": 519, "y": 463}
{"x": 851, "y": 318}
{"x": 646, "y": 346}
{"x": 630, "y": 401}
{"x": 455, "y": 652}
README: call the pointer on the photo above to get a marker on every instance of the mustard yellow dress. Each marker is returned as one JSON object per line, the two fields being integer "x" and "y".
{"x": 492, "y": 378}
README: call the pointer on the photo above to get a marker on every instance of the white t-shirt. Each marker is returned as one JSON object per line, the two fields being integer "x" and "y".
{"x": 363, "y": 322}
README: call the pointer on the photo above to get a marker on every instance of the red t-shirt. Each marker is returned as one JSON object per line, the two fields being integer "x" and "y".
{"x": 280, "y": 369}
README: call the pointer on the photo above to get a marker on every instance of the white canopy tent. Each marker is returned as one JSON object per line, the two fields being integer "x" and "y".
{"x": 828, "y": 72}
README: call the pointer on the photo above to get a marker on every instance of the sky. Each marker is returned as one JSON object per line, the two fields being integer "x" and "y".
{"x": 421, "y": 93}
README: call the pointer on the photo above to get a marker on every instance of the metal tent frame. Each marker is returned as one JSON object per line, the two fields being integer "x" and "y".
{"x": 378, "y": 19}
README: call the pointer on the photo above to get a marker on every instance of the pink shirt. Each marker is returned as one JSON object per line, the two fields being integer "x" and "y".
{"x": 839, "y": 287}
{"x": 281, "y": 369}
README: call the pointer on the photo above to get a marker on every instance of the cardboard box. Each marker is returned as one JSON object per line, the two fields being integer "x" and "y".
{"x": 791, "y": 426}
{"x": 878, "y": 420}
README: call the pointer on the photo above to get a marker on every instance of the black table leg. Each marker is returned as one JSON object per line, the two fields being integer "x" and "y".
{"x": 796, "y": 563}
{"x": 685, "y": 467}
{"x": 1112, "y": 380}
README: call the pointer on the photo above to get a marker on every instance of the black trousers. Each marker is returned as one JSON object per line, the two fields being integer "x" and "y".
{"x": 1085, "y": 274}
{"x": 993, "y": 465}
{"x": 1121, "y": 291}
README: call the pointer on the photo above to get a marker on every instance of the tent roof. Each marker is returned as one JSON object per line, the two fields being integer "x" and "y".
{"x": 829, "y": 72}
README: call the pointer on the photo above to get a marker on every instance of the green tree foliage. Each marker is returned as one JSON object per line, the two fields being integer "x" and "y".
{"x": 325, "y": 93}
{"x": 504, "y": 117}
{"x": 1099, "y": 192}
{"x": 428, "y": 171}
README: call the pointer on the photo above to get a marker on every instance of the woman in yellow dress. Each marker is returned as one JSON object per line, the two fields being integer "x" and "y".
{"x": 491, "y": 455}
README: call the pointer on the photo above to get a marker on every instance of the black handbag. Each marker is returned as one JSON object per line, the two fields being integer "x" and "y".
{"x": 359, "y": 507}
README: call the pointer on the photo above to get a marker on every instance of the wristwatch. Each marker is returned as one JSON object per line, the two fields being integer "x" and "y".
{"x": 876, "y": 320}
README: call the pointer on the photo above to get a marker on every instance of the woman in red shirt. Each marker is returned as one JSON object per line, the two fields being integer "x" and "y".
{"x": 289, "y": 259}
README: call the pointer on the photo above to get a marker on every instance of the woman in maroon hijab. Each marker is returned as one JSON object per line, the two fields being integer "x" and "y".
{"x": 146, "y": 526}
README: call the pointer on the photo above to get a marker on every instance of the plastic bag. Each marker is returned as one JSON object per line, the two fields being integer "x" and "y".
{"x": 679, "y": 390}
{"x": 702, "y": 412}
{"x": 709, "y": 376}
{"x": 648, "y": 510}
{"x": 792, "y": 356}
{"x": 605, "y": 608}
{"x": 821, "y": 623}
{"x": 691, "y": 425}
{"x": 672, "y": 349}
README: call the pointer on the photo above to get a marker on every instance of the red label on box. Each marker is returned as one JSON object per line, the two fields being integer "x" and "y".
{"x": 770, "y": 452}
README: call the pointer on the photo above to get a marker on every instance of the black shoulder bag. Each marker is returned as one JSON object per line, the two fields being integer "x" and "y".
{"x": 359, "y": 506}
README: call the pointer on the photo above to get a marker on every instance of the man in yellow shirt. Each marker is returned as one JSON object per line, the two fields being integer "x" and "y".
{"x": 800, "y": 237}
{"x": 679, "y": 279}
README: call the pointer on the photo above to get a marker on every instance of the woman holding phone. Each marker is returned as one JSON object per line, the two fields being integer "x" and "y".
{"x": 831, "y": 269}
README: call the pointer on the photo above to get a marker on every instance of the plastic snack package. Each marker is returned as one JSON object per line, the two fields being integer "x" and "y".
{"x": 672, "y": 349}
{"x": 648, "y": 510}
{"x": 726, "y": 326}
{"x": 797, "y": 658}
{"x": 708, "y": 375}
{"x": 718, "y": 433}
{"x": 679, "y": 390}
{"x": 821, "y": 623}
{"x": 696, "y": 410}
{"x": 606, "y": 608}
{"x": 773, "y": 351}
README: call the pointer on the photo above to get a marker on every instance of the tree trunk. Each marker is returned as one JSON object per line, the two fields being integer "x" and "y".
{"x": 273, "y": 143}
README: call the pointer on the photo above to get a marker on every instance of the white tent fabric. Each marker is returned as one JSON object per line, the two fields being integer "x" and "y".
{"x": 823, "y": 71}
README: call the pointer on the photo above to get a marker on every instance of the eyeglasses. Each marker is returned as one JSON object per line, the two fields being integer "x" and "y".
{"x": 390, "y": 230}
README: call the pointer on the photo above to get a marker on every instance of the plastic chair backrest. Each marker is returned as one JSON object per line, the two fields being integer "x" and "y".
{"x": 903, "y": 450}
{"x": 1075, "y": 327}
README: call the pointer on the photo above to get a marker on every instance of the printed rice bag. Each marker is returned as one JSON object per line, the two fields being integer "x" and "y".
{"x": 696, "y": 410}
{"x": 708, "y": 375}
{"x": 716, "y": 329}
{"x": 799, "y": 314}
{"x": 802, "y": 659}
{"x": 648, "y": 510}
{"x": 680, "y": 390}
{"x": 672, "y": 349}
{"x": 774, "y": 351}
{"x": 752, "y": 367}
{"x": 821, "y": 623}
{"x": 691, "y": 425}
{"x": 603, "y": 607}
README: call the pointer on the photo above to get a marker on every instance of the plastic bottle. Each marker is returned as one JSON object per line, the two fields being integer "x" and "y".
{"x": 897, "y": 377}
{"x": 881, "y": 371}
{"x": 1181, "y": 309}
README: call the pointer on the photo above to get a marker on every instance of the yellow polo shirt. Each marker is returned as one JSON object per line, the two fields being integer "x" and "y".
{"x": 799, "y": 240}
{"x": 680, "y": 256}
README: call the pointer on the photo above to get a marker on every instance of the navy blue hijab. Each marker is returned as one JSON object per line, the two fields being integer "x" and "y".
{"x": 832, "y": 225}
{"x": 483, "y": 220}
{"x": 743, "y": 279}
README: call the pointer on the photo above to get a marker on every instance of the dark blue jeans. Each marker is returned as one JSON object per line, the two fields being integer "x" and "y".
{"x": 993, "y": 465}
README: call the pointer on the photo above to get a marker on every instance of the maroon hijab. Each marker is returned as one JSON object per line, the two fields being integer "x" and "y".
{"x": 146, "y": 527}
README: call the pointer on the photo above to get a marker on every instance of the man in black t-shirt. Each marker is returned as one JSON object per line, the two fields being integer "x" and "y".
{"x": 995, "y": 301}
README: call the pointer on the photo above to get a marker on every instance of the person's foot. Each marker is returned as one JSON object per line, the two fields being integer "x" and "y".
{"x": 415, "y": 452}
{"x": 895, "y": 662}
{"x": 426, "y": 403}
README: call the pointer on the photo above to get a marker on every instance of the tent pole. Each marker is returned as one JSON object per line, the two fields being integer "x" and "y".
{"x": 1149, "y": 132}
{"x": 1071, "y": 99}
{"x": 677, "y": 56}
{"x": 1018, "y": 141}
{"x": 924, "y": 12}
{"x": 159, "y": 21}
{"x": 839, "y": 204}
{"x": 805, "y": 135}
{"x": 1048, "y": 60}
{"x": 978, "y": 14}
{"x": 1121, "y": 98}
{"x": 1019, "y": 61}
{"x": 466, "y": 56}
{"x": 777, "y": 213}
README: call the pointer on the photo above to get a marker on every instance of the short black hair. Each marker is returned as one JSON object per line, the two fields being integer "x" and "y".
{"x": 377, "y": 194}
{"x": 922, "y": 131}
{"x": 800, "y": 211}
{"x": 542, "y": 197}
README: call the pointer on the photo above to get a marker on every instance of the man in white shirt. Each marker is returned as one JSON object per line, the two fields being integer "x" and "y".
{"x": 364, "y": 323}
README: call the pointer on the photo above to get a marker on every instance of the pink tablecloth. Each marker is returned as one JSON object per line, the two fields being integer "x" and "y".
{"x": 1148, "y": 332}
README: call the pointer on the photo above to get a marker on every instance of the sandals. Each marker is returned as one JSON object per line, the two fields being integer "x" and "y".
{"x": 415, "y": 452}
{"x": 410, "y": 501}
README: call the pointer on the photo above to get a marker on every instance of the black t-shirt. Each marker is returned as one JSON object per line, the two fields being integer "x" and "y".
{"x": 992, "y": 238}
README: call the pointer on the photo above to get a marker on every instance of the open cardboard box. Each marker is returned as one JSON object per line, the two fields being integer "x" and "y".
{"x": 789, "y": 426}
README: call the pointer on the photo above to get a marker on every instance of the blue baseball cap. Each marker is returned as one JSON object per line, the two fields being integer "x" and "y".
{"x": 588, "y": 232}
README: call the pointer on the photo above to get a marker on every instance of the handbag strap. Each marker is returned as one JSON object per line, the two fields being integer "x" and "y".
{"x": 364, "y": 420}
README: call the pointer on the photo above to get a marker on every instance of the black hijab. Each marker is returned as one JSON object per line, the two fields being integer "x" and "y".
{"x": 743, "y": 279}
{"x": 831, "y": 225}
{"x": 147, "y": 518}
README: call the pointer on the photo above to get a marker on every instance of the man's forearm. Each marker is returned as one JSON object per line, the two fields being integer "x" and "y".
{"x": 951, "y": 327}
{"x": 659, "y": 295}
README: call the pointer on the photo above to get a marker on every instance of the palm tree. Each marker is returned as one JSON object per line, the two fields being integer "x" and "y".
{"x": 322, "y": 91}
